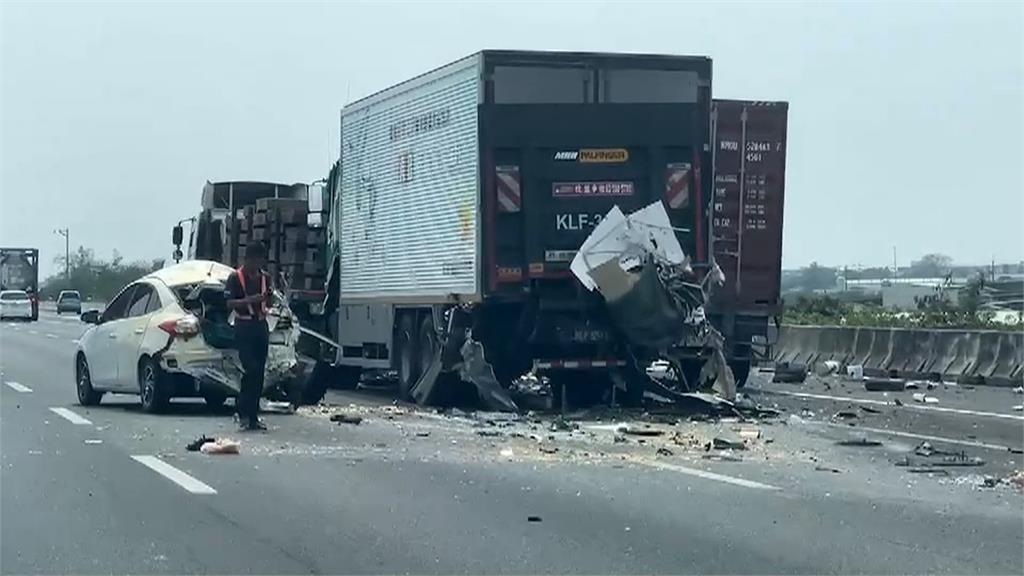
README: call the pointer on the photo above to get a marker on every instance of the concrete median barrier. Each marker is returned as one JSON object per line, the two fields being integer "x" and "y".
{"x": 983, "y": 357}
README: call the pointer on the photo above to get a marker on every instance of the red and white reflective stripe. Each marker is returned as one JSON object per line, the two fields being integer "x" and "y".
{"x": 677, "y": 185}
{"x": 509, "y": 192}
{"x": 575, "y": 364}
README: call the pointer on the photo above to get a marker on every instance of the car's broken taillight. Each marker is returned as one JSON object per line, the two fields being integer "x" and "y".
{"x": 185, "y": 326}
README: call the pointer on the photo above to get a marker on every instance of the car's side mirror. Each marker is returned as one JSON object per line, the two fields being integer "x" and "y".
{"x": 91, "y": 316}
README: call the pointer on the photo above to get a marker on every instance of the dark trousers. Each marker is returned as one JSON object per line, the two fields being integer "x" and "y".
{"x": 252, "y": 338}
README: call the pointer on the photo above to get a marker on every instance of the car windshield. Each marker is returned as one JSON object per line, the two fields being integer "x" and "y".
{"x": 70, "y": 296}
{"x": 13, "y": 295}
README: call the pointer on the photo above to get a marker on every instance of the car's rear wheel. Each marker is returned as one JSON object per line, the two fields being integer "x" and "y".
{"x": 408, "y": 361}
{"x": 87, "y": 395}
{"x": 152, "y": 387}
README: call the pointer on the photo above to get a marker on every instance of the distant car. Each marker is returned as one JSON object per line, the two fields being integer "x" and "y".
{"x": 168, "y": 335}
{"x": 15, "y": 304}
{"x": 69, "y": 301}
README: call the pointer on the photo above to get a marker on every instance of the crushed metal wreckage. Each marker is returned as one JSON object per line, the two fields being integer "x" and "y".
{"x": 656, "y": 300}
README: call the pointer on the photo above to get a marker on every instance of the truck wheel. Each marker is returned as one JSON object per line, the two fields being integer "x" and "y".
{"x": 408, "y": 361}
{"x": 740, "y": 371}
{"x": 152, "y": 387}
{"x": 427, "y": 344}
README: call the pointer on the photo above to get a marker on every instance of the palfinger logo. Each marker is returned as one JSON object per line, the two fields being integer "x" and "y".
{"x": 593, "y": 155}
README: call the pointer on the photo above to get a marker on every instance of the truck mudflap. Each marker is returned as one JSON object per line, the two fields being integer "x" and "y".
{"x": 460, "y": 358}
{"x": 654, "y": 298}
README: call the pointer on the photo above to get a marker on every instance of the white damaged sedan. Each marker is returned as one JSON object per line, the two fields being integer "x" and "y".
{"x": 169, "y": 334}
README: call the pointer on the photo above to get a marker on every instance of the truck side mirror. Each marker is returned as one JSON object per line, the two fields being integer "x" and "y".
{"x": 177, "y": 235}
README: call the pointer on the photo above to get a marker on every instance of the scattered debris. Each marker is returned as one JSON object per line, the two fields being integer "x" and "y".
{"x": 961, "y": 459}
{"x": 488, "y": 433}
{"x": 274, "y": 407}
{"x": 548, "y": 449}
{"x": 924, "y": 449}
{"x": 794, "y": 419}
{"x": 722, "y": 457}
{"x": 870, "y": 410}
{"x": 620, "y": 439}
{"x": 859, "y": 443}
{"x": 637, "y": 431}
{"x": 422, "y": 434}
{"x": 827, "y": 469}
{"x": 1016, "y": 480}
{"x": 897, "y": 402}
{"x": 786, "y": 373}
{"x": 749, "y": 433}
{"x": 343, "y": 418}
{"x": 931, "y": 400}
{"x": 924, "y": 399}
{"x": 855, "y": 372}
{"x": 1015, "y": 450}
{"x": 1018, "y": 390}
{"x": 93, "y": 441}
{"x": 507, "y": 453}
{"x": 1018, "y": 408}
{"x": 928, "y": 470}
{"x": 845, "y": 415}
{"x": 533, "y": 519}
{"x": 664, "y": 452}
{"x": 195, "y": 445}
{"x": 722, "y": 443}
{"x": 221, "y": 446}
{"x": 829, "y": 367}
{"x": 884, "y": 385}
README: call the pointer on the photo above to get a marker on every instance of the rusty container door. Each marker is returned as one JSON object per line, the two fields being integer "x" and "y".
{"x": 749, "y": 190}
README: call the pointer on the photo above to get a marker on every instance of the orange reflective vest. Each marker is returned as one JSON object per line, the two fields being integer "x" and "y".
{"x": 263, "y": 290}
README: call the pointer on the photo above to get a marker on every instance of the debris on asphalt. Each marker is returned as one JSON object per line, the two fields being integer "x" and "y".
{"x": 507, "y": 453}
{"x": 845, "y": 415}
{"x": 786, "y": 373}
{"x": 1018, "y": 390}
{"x": 640, "y": 431}
{"x": 924, "y": 449}
{"x": 274, "y": 407}
{"x": 884, "y": 385}
{"x": 533, "y": 519}
{"x": 221, "y": 446}
{"x": 749, "y": 433}
{"x": 961, "y": 459}
{"x": 195, "y": 445}
{"x": 1018, "y": 408}
{"x": 343, "y": 418}
{"x": 931, "y": 400}
{"x": 870, "y": 410}
{"x": 1015, "y": 480}
{"x": 548, "y": 449}
{"x": 827, "y": 469}
{"x": 829, "y": 367}
{"x": 488, "y": 433}
{"x": 897, "y": 402}
{"x": 725, "y": 443}
{"x": 722, "y": 457}
{"x": 859, "y": 443}
{"x": 93, "y": 441}
{"x": 855, "y": 372}
{"x": 664, "y": 452}
{"x": 928, "y": 470}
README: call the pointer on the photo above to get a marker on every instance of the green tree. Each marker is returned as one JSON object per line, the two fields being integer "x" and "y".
{"x": 817, "y": 277}
{"x": 931, "y": 266}
{"x": 94, "y": 278}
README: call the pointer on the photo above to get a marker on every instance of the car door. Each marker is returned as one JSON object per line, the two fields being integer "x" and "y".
{"x": 130, "y": 333}
{"x": 99, "y": 344}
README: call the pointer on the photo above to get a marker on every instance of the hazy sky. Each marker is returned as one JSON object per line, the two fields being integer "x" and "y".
{"x": 905, "y": 119}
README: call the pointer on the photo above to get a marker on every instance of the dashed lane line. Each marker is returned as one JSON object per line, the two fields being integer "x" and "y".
{"x": 70, "y": 416}
{"x": 53, "y": 336}
{"x": 175, "y": 475}
{"x": 907, "y": 405}
{"x": 712, "y": 476}
{"x": 18, "y": 387}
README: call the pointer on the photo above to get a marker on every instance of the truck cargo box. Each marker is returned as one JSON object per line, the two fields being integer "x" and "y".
{"x": 750, "y": 178}
{"x": 483, "y": 177}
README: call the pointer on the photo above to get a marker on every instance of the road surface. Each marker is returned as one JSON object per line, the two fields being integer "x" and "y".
{"x": 110, "y": 489}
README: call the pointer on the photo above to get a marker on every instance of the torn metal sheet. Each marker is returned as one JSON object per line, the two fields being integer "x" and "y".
{"x": 476, "y": 370}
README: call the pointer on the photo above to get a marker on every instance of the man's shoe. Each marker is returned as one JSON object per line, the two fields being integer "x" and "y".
{"x": 257, "y": 425}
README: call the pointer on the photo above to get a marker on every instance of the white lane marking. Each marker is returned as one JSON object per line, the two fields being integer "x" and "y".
{"x": 74, "y": 340}
{"x": 971, "y": 443}
{"x": 69, "y": 416}
{"x": 36, "y": 332}
{"x": 907, "y": 404}
{"x": 54, "y": 336}
{"x": 174, "y": 475}
{"x": 18, "y": 387}
{"x": 712, "y": 476}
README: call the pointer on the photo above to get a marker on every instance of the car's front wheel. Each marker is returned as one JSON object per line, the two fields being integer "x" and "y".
{"x": 87, "y": 395}
{"x": 152, "y": 387}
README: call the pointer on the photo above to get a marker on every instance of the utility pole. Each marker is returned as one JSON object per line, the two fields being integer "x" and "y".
{"x": 67, "y": 251}
{"x": 895, "y": 270}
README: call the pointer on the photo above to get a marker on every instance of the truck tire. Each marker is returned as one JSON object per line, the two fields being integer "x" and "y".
{"x": 741, "y": 372}
{"x": 408, "y": 358}
{"x": 427, "y": 344}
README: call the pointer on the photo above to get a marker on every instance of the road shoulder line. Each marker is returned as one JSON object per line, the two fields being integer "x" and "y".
{"x": 18, "y": 387}
{"x": 712, "y": 476}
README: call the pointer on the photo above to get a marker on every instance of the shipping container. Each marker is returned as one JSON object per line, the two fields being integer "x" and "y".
{"x": 474, "y": 184}
{"x": 19, "y": 270}
{"x": 747, "y": 215}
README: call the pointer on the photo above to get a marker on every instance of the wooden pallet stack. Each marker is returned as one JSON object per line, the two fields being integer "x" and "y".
{"x": 281, "y": 224}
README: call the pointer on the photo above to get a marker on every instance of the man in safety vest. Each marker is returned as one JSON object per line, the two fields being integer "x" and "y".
{"x": 248, "y": 293}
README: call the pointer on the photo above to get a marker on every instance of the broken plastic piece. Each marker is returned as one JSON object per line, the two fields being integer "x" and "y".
{"x": 884, "y": 385}
{"x": 343, "y": 418}
{"x": 221, "y": 446}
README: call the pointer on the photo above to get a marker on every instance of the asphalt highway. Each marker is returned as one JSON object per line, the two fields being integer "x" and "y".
{"x": 110, "y": 489}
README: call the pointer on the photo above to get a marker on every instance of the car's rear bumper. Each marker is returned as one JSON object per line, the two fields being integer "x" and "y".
{"x": 221, "y": 369}
{"x": 20, "y": 312}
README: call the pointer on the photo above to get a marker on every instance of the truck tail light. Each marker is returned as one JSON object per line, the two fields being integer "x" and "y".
{"x": 185, "y": 326}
